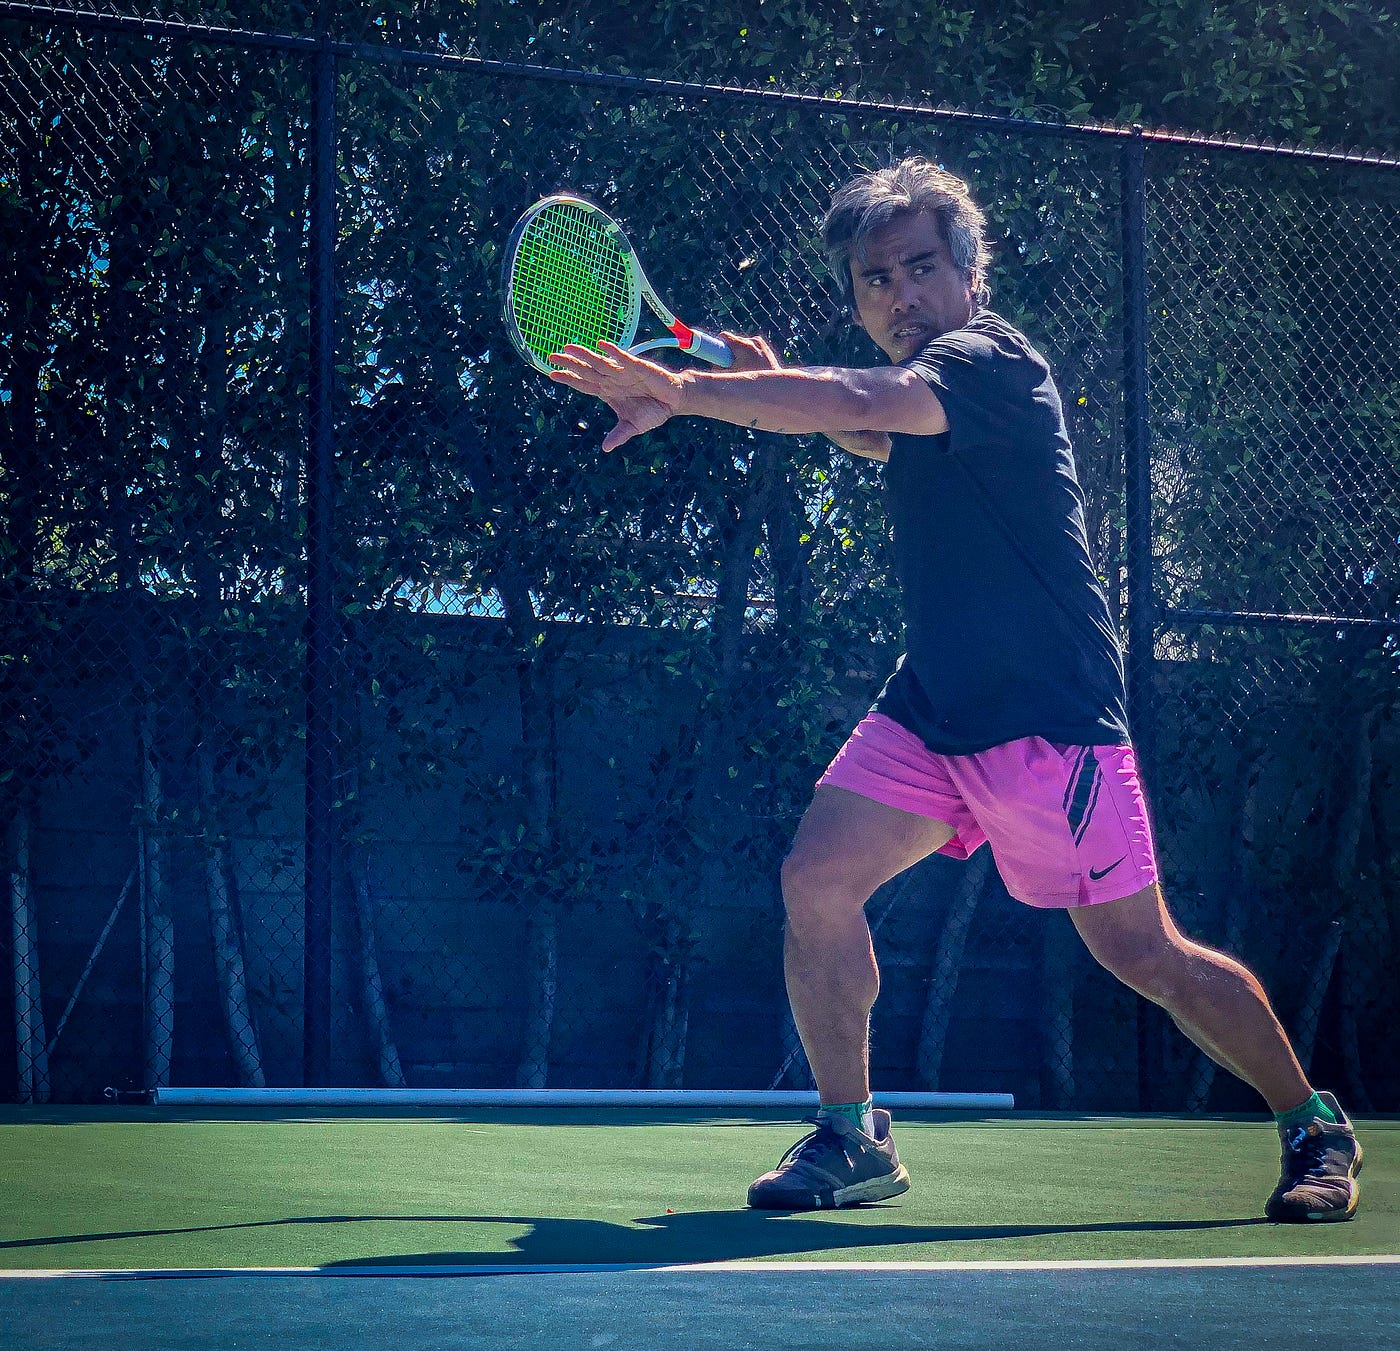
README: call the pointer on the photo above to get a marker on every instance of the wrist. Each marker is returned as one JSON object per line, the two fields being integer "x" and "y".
{"x": 683, "y": 392}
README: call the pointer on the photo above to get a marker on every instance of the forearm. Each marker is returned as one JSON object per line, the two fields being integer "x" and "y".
{"x": 793, "y": 401}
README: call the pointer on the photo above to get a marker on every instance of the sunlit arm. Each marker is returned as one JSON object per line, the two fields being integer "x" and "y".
{"x": 859, "y": 408}
{"x": 829, "y": 399}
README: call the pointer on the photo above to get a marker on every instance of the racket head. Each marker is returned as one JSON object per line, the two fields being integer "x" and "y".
{"x": 569, "y": 275}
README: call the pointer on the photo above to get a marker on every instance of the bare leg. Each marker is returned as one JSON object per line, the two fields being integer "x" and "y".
{"x": 1212, "y": 998}
{"x": 845, "y": 848}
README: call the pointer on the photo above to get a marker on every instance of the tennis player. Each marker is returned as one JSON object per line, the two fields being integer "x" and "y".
{"x": 1004, "y": 722}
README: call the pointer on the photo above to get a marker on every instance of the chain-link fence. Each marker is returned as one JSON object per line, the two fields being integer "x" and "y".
{"x": 517, "y": 732}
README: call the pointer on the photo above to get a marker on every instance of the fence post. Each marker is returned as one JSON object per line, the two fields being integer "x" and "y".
{"x": 1137, "y": 475}
{"x": 320, "y": 574}
{"x": 1137, "y": 453}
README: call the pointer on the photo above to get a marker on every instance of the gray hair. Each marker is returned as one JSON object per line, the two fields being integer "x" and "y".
{"x": 913, "y": 187}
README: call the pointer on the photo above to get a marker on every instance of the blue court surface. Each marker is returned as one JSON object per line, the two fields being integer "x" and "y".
{"x": 1346, "y": 1304}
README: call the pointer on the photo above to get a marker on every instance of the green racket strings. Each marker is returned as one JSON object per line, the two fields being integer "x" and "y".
{"x": 570, "y": 283}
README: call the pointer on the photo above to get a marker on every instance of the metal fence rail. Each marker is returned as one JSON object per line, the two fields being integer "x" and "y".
{"x": 363, "y": 725}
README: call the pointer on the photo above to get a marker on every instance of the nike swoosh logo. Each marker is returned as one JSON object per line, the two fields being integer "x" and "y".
{"x": 1094, "y": 876}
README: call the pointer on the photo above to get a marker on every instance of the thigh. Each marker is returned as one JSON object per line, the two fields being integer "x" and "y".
{"x": 887, "y": 765}
{"x": 856, "y": 844}
{"x": 1134, "y": 929}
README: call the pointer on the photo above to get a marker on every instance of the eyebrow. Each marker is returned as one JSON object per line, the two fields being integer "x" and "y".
{"x": 906, "y": 262}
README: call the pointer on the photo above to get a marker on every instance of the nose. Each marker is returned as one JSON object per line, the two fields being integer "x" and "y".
{"x": 903, "y": 297}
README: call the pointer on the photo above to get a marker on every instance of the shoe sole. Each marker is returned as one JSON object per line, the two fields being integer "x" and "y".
{"x": 858, "y": 1193}
{"x": 873, "y": 1189}
{"x": 1328, "y": 1216}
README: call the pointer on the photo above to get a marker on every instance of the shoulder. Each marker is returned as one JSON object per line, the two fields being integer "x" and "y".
{"x": 986, "y": 339}
{"x": 986, "y": 358}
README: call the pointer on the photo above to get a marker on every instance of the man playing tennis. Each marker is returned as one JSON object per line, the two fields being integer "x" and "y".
{"x": 1004, "y": 722}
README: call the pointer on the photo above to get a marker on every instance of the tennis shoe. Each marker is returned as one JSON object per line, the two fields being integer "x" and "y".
{"x": 1320, "y": 1164}
{"x": 835, "y": 1165}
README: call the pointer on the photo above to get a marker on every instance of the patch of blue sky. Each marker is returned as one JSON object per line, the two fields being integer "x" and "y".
{"x": 438, "y": 597}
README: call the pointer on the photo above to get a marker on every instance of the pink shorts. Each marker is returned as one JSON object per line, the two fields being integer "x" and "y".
{"x": 1067, "y": 824}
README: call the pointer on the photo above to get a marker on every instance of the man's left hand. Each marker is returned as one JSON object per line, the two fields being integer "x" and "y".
{"x": 641, "y": 393}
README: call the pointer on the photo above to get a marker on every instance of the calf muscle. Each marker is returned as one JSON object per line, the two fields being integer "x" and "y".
{"x": 1214, "y": 999}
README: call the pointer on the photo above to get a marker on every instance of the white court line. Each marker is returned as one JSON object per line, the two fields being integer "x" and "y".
{"x": 746, "y": 1267}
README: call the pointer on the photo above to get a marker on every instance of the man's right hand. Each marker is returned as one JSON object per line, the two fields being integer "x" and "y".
{"x": 751, "y": 354}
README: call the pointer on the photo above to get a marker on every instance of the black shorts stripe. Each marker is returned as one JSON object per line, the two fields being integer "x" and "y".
{"x": 1082, "y": 782}
{"x": 1074, "y": 776}
{"x": 1093, "y": 802}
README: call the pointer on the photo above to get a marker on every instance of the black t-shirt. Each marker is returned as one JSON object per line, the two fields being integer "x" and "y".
{"x": 1008, "y": 633}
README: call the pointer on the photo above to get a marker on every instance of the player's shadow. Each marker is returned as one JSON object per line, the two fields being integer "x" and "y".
{"x": 661, "y": 1240}
{"x": 725, "y": 1235}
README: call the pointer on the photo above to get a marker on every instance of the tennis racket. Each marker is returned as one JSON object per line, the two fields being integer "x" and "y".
{"x": 571, "y": 276}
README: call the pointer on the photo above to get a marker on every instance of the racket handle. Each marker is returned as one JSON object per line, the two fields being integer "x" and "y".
{"x": 708, "y": 348}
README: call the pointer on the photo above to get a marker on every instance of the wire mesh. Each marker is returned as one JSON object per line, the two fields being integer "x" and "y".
{"x": 580, "y": 700}
{"x": 1274, "y": 373}
{"x": 154, "y": 322}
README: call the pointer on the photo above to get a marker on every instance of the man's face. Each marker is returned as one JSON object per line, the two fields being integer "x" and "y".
{"x": 907, "y": 289}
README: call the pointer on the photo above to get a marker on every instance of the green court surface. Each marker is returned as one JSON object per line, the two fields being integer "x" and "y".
{"x": 161, "y": 1230}
{"x": 202, "y": 1189}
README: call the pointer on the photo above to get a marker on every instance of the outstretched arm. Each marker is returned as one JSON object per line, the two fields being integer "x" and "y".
{"x": 796, "y": 401}
{"x": 757, "y": 354}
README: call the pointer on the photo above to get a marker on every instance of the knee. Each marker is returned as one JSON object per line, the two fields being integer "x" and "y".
{"x": 1150, "y": 966}
{"x": 817, "y": 890}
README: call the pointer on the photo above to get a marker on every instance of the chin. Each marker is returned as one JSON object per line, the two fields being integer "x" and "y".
{"x": 903, "y": 351}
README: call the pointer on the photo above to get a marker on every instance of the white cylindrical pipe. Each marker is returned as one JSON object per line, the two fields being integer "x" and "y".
{"x": 557, "y": 1097}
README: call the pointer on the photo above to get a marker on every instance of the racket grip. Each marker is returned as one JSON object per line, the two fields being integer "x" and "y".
{"x": 709, "y": 348}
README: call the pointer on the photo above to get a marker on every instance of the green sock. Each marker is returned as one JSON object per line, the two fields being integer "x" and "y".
{"x": 1304, "y": 1112}
{"x": 857, "y": 1113}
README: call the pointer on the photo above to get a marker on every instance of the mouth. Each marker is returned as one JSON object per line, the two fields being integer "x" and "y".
{"x": 911, "y": 335}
